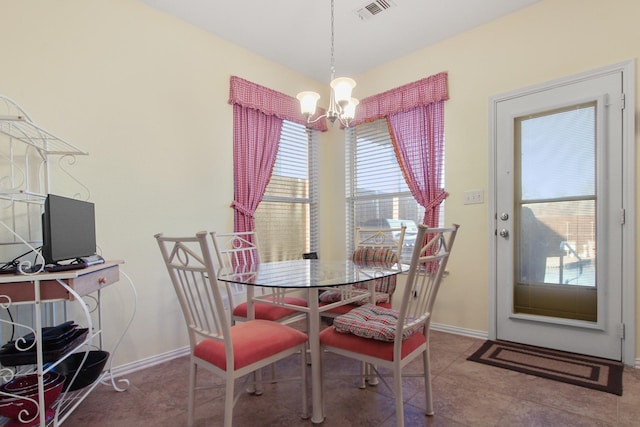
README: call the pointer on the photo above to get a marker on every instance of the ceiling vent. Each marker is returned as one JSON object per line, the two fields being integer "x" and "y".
{"x": 374, "y": 8}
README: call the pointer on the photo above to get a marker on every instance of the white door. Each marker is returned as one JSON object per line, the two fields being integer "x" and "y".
{"x": 559, "y": 215}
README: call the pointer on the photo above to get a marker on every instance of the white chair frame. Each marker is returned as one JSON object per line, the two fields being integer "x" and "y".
{"x": 191, "y": 268}
{"x": 381, "y": 238}
{"x": 242, "y": 249}
{"x": 416, "y": 308}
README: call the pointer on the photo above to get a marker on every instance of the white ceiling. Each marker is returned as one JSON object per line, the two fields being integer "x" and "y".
{"x": 297, "y": 33}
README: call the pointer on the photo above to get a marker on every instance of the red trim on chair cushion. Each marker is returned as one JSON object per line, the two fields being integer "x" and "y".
{"x": 379, "y": 349}
{"x": 268, "y": 311}
{"x": 345, "y": 308}
{"x": 373, "y": 321}
{"x": 252, "y": 341}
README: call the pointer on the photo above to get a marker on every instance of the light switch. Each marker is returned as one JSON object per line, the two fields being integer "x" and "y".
{"x": 472, "y": 197}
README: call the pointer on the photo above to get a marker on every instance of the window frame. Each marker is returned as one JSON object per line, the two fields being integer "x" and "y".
{"x": 353, "y": 198}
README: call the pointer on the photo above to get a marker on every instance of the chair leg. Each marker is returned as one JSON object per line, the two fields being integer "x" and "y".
{"x": 303, "y": 362}
{"x": 363, "y": 375}
{"x": 307, "y": 347}
{"x": 397, "y": 385}
{"x": 256, "y": 388}
{"x": 229, "y": 401}
{"x": 427, "y": 381}
{"x": 192, "y": 393}
{"x": 372, "y": 377}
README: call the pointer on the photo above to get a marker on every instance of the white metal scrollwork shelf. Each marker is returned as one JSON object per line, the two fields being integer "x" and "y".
{"x": 27, "y": 152}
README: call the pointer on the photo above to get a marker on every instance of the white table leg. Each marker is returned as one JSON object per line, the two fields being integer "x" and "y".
{"x": 369, "y": 375}
{"x": 255, "y": 388}
{"x": 317, "y": 399}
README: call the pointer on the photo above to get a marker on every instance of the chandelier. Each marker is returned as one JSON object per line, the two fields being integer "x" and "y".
{"x": 341, "y": 105}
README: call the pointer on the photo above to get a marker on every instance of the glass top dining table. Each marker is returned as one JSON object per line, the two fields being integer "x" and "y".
{"x": 308, "y": 273}
{"x": 312, "y": 276}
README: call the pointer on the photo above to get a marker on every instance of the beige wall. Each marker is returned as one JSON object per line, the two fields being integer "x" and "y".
{"x": 146, "y": 95}
{"x": 551, "y": 39}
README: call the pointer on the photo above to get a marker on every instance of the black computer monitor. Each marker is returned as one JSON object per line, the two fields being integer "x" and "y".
{"x": 68, "y": 229}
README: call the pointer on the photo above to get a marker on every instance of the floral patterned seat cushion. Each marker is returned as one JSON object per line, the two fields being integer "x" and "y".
{"x": 372, "y": 321}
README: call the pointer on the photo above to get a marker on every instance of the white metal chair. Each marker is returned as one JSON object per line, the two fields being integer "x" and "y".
{"x": 241, "y": 249}
{"x": 230, "y": 352}
{"x": 371, "y": 245}
{"x": 392, "y": 338}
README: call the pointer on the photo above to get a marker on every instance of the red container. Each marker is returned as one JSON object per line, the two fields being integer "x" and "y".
{"x": 23, "y": 405}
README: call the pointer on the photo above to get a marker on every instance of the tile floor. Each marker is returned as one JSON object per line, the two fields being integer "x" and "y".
{"x": 465, "y": 394}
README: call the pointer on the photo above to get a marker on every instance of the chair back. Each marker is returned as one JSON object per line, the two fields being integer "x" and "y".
{"x": 381, "y": 238}
{"x": 428, "y": 263}
{"x": 236, "y": 251}
{"x": 379, "y": 245}
{"x": 239, "y": 249}
{"x": 189, "y": 261}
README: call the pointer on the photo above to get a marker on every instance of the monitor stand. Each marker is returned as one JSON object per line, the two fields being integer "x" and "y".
{"x": 91, "y": 260}
{"x": 77, "y": 264}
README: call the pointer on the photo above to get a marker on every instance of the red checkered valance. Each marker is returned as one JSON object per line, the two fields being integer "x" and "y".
{"x": 270, "y": 102}
{"x": 402, "y": 99}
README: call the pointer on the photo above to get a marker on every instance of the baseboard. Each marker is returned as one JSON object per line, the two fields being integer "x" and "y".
{"x": 472, "y": 333}
{"x": 184, "y": 351}
{"x": 138, "y": 365}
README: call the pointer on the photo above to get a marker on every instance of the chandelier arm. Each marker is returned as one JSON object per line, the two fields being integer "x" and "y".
{"x": 309, "y": 121}
{"x": 332, "y": 118}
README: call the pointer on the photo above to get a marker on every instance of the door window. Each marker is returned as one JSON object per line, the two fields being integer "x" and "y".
{"x": 556, "y": 213}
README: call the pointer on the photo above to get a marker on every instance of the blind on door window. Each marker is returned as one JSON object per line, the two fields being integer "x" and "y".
{"x": 377, "y": 193}
{"x": 286, "y": 219}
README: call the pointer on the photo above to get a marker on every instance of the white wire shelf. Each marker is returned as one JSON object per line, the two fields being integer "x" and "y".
{"x": 22, "y": 129}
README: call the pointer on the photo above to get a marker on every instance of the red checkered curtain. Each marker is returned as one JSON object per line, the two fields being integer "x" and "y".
{"x": 418, "y": 137}
{"x": 415, "y": 116}
{"x": 258, "y": 113}
{"x": 256, "y": 137}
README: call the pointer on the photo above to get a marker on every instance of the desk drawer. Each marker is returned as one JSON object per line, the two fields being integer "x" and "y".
{"x": 87, "y": 281}
{"x": 91, "y": 282}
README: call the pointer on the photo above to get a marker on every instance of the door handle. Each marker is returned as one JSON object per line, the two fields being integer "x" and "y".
{"x": 504, "y": 233}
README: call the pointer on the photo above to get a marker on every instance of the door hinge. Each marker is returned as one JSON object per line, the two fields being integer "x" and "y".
{"x": 623, "y": 216}
{"x": 622, "y": 101}
{"x": 621, "y": 330}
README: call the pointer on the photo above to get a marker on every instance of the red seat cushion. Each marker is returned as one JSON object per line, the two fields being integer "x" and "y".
{"x": 270, "y": 312}
{"x": 379, "y": 349}
{"x": 252, "y": 341}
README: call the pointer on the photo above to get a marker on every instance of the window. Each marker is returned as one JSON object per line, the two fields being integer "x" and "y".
{"x": 286, "y": 219}
{"x": 377, "y": 193}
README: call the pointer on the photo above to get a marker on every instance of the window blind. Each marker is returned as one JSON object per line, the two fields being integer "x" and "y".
{"x": 286, "y": 219}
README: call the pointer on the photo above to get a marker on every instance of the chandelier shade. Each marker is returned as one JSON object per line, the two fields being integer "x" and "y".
{"x": 350, "y": 109}
{"x": 308, "y": 101}
{"x": 341, "y": 105}
{"x": 342, "y": 87}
